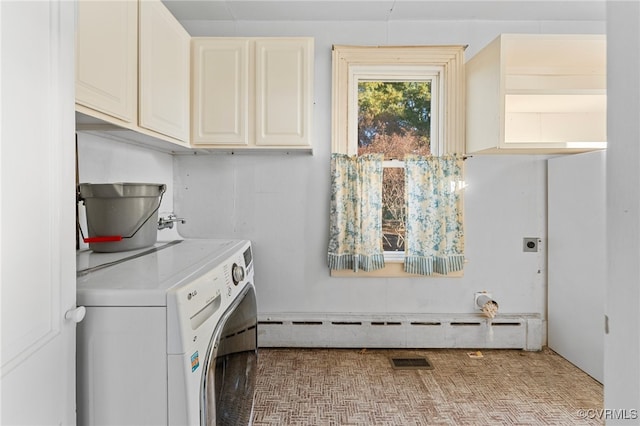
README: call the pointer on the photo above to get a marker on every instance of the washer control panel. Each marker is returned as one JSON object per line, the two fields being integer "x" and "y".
{"x": 195, "y": 306}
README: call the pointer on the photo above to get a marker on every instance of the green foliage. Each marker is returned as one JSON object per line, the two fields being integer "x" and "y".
{"x": 398, "y": 108}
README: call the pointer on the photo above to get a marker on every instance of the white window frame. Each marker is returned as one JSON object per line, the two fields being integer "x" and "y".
{"x": 393, "y": 73}
{"x": 353, "y": 62}
{"x": 443, "y": 65}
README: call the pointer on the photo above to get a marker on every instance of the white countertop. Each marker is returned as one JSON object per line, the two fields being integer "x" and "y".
{"x": 145, "y": 280}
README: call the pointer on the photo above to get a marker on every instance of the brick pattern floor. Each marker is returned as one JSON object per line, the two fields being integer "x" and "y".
{"x": 361, "y": 387}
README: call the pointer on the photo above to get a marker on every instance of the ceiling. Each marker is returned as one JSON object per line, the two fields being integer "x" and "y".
{"x": 387, "y": 10}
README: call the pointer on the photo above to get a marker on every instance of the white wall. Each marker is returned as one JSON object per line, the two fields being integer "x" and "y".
{"x": 622, "y": 339}
{"x": 102, "y": 160}
{"x": 281, "y": 202}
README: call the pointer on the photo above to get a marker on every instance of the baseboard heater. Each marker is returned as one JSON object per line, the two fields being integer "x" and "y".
{"x": 508, "y": 331}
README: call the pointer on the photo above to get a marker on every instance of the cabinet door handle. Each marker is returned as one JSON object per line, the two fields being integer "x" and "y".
{"x": 76, "y": 315}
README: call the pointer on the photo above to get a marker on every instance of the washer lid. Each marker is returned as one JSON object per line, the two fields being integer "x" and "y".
{"x": 145, "y": 280}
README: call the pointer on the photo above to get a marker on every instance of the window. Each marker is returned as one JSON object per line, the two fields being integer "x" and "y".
{"x": 354, "y": 63}
{"x": 397, "y": 101}
{"x": 395, "y": 118}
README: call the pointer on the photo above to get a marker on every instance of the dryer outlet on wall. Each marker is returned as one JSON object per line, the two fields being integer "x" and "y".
{"x": 479, "y": 294}
{"x": 530, "y": 244}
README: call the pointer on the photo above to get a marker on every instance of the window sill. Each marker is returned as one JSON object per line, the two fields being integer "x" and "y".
{"x": 391, "y": 270}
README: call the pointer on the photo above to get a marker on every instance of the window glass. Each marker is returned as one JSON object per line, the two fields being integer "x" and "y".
{"x": 394, "y": 118}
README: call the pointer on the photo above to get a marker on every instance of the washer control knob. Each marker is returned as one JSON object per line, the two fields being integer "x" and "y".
{"x": 237, "y": 273}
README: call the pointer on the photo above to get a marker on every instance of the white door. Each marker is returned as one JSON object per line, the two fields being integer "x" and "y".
{"x": 577, "y": 259}
{"x": 37, "y": 220}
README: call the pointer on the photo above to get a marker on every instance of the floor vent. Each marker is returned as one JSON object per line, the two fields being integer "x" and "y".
{"x": 413, "y": 363}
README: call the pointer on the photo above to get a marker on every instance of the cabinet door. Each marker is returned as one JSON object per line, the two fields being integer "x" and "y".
{"x": 220, "y": 91}
{"x": 107, "y": 57}
{"x": 164, "y": 72}
{"x": 283, "y": 91}
{"x": 577, "y": 275}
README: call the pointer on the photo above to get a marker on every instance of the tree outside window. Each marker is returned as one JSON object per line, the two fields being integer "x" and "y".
{"x": 394, "y": 118}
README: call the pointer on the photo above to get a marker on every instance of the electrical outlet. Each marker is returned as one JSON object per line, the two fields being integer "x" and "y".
{"x": 530, "y": 244}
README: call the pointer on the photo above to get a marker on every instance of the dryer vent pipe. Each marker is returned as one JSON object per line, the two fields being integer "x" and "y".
{"x": 488, "y": 306}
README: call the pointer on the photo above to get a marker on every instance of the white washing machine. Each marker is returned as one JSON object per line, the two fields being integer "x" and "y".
{"x": 169, "y": 336}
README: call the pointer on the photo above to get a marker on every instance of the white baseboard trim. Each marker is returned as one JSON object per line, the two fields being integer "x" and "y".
{"x": 508, "y": 331}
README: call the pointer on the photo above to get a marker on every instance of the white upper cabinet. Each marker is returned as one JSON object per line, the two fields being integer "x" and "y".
{"x": 252, "y": 92}
{"x": 221, "y": 91}
{"x": 537, "y": 93}
{"x": 107, "y": 58}
{"x": 132, "y": 71}
{"x": 164, "y": 72}
{"x": 283, "y": 91}
{"x": 138, "y": 69}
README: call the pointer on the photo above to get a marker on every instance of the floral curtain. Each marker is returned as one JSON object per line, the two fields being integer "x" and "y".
{"x": 435, "y": 234}
{"x": 355, "y": 234}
